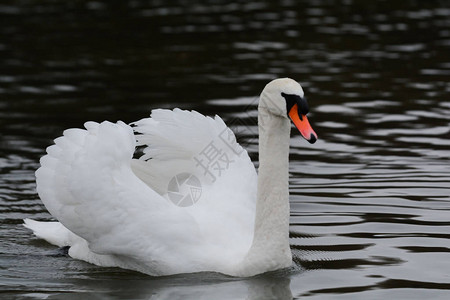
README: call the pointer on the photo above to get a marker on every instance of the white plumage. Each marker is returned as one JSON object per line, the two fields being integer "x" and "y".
{"x": 114, "y": 210}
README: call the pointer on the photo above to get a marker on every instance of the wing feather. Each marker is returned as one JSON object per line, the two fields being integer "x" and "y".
{"x": 120, "y": 206}
{"x": 86, "y": 182}
{"x": 182, "y": 141}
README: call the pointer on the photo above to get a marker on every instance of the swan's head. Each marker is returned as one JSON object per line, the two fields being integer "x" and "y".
{"x": 285, "y": 98}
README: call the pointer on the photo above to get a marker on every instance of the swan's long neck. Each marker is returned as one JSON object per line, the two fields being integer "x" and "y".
{"x": 270, "y": 247}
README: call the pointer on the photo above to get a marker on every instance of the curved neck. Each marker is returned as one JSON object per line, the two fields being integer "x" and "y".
{"x": 272, "y": 208}
{"x": 270, "y": 248}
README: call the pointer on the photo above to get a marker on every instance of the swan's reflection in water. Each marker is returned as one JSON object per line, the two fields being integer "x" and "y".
{"x": 192, "y": 286}
{"x": 269, "y": 288}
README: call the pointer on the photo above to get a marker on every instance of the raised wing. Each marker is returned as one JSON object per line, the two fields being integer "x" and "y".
{"x": 186, "y": 142}
{"x": 133, "y": 210}
{"x": 86, "y": 182}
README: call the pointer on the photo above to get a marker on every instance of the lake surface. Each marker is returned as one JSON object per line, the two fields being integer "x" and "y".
{"x": 370, "y": 201}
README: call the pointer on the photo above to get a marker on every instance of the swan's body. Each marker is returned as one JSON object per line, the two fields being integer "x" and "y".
{"x": 114, "y": 210}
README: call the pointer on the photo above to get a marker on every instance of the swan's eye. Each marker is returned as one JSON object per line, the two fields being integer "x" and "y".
{"x": 292, "y": 99}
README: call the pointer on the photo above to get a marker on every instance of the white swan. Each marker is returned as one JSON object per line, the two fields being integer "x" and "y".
{"x": 117, "y": 211}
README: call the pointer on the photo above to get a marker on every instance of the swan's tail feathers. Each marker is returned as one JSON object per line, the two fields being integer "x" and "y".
{"x": 53, "y": 232}
{"x": 70, "y": 244}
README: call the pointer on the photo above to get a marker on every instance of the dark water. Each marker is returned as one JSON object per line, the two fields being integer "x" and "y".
{"x": 370, "y": 201}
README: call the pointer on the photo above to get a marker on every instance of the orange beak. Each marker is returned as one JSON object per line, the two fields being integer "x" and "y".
{"x": 302, "y": 125}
